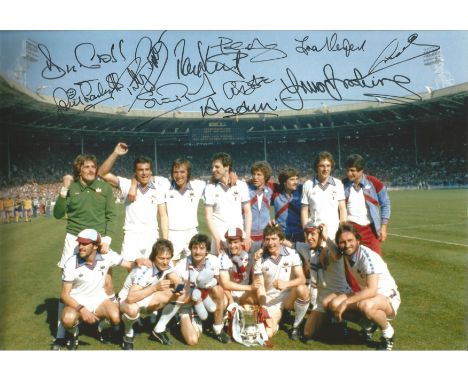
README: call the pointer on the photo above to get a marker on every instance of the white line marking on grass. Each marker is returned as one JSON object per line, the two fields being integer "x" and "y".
{"x": 434, "y": 241}
{"x": 430, "y": 225}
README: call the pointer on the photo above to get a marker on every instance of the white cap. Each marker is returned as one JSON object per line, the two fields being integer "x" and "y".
{"x": 89, "y": 236}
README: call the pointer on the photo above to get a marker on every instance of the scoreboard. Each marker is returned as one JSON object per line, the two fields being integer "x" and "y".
{"x": 218, "y": 132}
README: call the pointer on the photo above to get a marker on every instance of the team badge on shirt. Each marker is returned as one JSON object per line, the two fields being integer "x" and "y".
{"x": 362, "y": 274}
{"x": 98, "y": 190}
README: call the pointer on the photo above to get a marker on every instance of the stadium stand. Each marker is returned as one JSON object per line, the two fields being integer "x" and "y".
{"x": 408, "y": 145}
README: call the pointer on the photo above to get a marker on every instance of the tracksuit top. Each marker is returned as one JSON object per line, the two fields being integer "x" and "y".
{"x": 376, "y": 197}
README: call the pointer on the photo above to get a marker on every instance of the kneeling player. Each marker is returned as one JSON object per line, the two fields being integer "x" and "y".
{"x": 326, "y": 272}
{"x": 83, "y": 291}
{"x": 147, "y": 290}
{"x": 378, "y": 298}
{"x": 189, "y": 269}
{"x": 235, "y": 269}
{"x": 281, "y": 280}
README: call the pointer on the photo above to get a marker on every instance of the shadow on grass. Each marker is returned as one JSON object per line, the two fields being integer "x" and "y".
{"x": 147, "y": 324}
{"x": 50, "y": 308}
{"x": 332, "y": 333}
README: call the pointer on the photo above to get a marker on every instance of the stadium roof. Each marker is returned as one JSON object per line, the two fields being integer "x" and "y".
{"x": 24, "y": 111}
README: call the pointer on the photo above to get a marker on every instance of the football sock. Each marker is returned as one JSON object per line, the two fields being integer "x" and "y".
{"x": 388, "y": 331}
{"x": 116, "y": 328}
{"x": 300, "y": 310}
{"x": 218, "y": 328}
{"x": 313, "y": 296}
{"x": 365, "y": 323}
{"x": 128, "y": 324}
{"x": 60, "y": 328}
{"x": 167, "y": 313}
{"x": 103, "y": 325}
{"x": 154, "y": 317}
{"x": 74, "y": 331}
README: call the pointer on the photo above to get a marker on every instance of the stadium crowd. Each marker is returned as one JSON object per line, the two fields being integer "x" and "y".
{"x": 392, "y": 159}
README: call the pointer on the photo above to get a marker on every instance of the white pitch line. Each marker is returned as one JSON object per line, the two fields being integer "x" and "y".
{"x": 430, "y": 225}
{"x": 434, "y": 241}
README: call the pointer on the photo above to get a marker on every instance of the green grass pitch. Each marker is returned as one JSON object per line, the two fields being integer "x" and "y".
{"x": 426, "y": 252}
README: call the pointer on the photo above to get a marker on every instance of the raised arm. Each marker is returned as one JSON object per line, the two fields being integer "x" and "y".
{"x": 333, "y": 249}
{"x": 106, "y": 166}
{"x": 60, "y": 208}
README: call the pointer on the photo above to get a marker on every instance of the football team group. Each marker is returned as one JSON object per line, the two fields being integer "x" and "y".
{"x": 319, "y": 258}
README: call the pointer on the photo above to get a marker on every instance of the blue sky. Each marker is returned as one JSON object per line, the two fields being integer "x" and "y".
{"x": 209, "y": 71}
{"x": 238, "y": 71}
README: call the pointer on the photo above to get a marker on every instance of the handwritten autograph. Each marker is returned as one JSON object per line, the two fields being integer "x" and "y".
{"x": 334, "y": 86}
{"x": 234, "y": 88}
{"x": 331, "y": 44}
{"x": 211, "y": 108}
{"x": 293, "y": 91}
{"x": 157, "y": 74}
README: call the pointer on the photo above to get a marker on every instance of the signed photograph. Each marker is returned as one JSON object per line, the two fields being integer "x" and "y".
{"x": 233, "y": 190}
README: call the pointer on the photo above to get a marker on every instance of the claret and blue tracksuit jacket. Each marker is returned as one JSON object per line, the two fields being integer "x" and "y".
{"x": 377, "y": 200}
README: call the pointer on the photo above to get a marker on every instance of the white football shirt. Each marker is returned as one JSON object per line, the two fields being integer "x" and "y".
{"x": 141, "y": 215}
{"x": 323, "y": 202}
{"x": 88, "y": 279}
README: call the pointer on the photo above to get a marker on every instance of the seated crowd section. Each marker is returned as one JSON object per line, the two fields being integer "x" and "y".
{"x": 436, "y": 158}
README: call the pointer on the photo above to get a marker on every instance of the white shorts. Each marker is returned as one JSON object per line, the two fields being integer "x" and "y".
{"x": 138, "y": 245}
{"x": 237, "y": 294}
{"x": 180, "y": 240}
{"x": 275, "y": 299}
{"x": 394, "y": 298}
{"x": 68, "y": 249}
{"x": 324, "y": 293}
{"x": 92, "y": 302}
